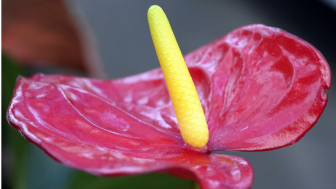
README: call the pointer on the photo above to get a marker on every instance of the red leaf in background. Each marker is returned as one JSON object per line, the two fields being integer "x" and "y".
{"x": 36, "y": 33}
{"x": 260, "y": 87}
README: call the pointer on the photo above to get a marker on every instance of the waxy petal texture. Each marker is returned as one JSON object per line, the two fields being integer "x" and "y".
{"x": 260, "y": 87}
{"x": 267, "y": 88}
{"x": 66, "y": 118}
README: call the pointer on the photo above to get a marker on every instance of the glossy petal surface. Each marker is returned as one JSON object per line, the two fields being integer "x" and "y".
{"x": 261, "y": 88}
{"x": 268, "y": 88}
{"x": 88, "y": 132}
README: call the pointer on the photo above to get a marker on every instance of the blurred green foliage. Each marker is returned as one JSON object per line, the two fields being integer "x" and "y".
{"x": 13, "y": 143}
{"x": 83, "y": 180}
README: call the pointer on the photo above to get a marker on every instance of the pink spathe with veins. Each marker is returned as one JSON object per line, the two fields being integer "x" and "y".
{"x": 261, "y": 88}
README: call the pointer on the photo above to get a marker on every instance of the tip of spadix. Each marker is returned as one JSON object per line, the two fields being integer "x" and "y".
{"x": 154, "y": 10}
{"x": 153, "y": 7}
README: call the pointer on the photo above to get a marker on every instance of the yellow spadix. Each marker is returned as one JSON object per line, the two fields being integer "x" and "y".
{"x": 187, "y": 106}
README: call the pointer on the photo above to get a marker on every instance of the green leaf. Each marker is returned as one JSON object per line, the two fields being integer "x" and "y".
{"x": 13, "y": 142}
{"x": 84, "y": 180}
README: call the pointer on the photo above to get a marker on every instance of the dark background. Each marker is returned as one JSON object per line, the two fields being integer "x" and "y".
{"x": 126, "y": 48}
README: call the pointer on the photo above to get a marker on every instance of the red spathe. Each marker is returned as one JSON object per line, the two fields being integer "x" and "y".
{"x": 260, "y": 87}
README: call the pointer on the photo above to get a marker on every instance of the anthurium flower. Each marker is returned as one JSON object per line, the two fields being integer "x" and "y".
{"x": 261, "y": 88}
